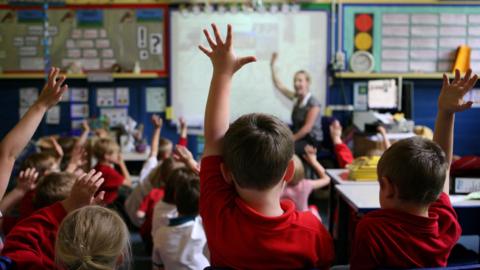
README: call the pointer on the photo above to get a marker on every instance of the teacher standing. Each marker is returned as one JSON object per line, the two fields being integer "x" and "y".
{"x": 306, "y": 114}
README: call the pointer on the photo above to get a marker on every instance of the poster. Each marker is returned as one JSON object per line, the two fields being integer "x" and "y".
{"x": 116, "y": 116}
{"x": 156, "y": 99}
{"x": 105, "y": 97}
{"x": 53, "y": 115}
{"x": 79, "y": 110}
{"x": 122, "y": 97}
{"x": 79, "y": 94}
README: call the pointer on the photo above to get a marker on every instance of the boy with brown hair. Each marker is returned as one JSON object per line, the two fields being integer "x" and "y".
{"x": 243, "y": 172}
{"x": 416, "y": 226}
{"x": 108, "y": 154}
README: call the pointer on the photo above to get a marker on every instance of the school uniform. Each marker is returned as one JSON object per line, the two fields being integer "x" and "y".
{"x": 31, "y": 243}
{"x": 344, "y": 155}
{"x": 112, "y": 182}
{"x": 240, "y": 237}
{"x": 181, "y": 245}
{"x": 162, "y": 212}
{"x": 389, "y": 238}
{"x": 147, "y": 206}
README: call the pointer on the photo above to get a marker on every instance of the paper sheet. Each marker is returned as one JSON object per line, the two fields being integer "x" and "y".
{"x": 22, "y": 111}
{"x": 423, "y": 43}
{"x": 31, "y": 63}
{"x": 382, "y": 94}
{"x": 395, "y": 31}
{"x": 77, "y": 124}
{"x": 424, "y": 31}
{"x": 425, "y": 19}
{"x": 107, "y": 53}
{"x": 453, "y": 31}
{"x": 115, "y": 116}
{"x": 394, "y": 54}
{"x": 53, "y": 115}
{"x": 105, "y": 97}
{"x": 28, "y": 51}
{"x": 74, "y": 53}
{"x": 79, "y": 94}
{"x": 28, "y": 96}
{"x": 122, "y": 97}
{"x": 395, "y": 42}
{"x": 423, "y": 54}
{"x": 453, "y": 19}
{"x": 18, "y": 41}
{"x": 102, "y": 43}
{"x": 79, "y": 110}
{"x": 451, "y": 42}
{"x": 473, "y": 95}
{"x": 156, "y": 99}
{"x": 66, "y": 96}
{"x": 90, "y": 33}
{"x": 91, "y": 53}
{"x": 393, "y": 18}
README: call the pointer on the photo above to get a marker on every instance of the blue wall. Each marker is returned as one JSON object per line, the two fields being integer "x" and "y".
{"x": 467, "y": 125}
{"x": 9, "y": 104}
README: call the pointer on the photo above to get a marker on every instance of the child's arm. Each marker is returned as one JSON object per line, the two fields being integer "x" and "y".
{"x": 343, "y": 153}
{"x": 27, "y": 181}
{"x": 451, "y": 101}
{"x": 77, "y": 158}
{"x": 83, "y": 191}
{"x": 385, "y": 141}
{"x": 183, "y": 132}
{"x": 157, "y": 128}
{"x": 217, "y": 111}
{"x": 58, "y": 149}
{"x": 278, "y": 84}
{"x": 182, "y": 154}
{"x": 311, "y": 157}
{"x": 84, "y": 136}
{"x": 18, "y": 137}
{"x": 124, "y": 170}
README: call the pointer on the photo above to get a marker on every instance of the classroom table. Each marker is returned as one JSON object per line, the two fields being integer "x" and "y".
{"x": 365, "y": 198}
{"x": 339, "y": 177}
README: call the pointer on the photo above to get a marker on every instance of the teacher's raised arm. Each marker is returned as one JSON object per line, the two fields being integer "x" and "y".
{"x": 306, "y": 114}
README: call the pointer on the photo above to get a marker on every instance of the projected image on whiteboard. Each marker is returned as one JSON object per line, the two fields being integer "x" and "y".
{"x": 299, "y": 38}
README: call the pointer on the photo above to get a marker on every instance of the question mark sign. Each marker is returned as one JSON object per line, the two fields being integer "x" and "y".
{"x": 156, "y": 43}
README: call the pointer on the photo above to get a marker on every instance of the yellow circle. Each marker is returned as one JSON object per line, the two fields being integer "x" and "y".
{"x": 363, "y": 41}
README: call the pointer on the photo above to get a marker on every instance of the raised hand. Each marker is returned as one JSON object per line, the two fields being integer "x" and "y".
{"x": 83, "y": 191}
{"x": 157, "y": 121}
{"x": 221, "y": 54}
{"x": 53, "y": 90}
{"x": 56, "y": 146}
{"x": 336, "y": 132}
{"x": 310, "y": 154}
{"x": 183, "y": 155}
{"x": 85, "y": 126}
{"x": 451, "y": 95}
{"x": 273, "y": 59}
{"x": 27, "y": 180}
{"x": 182, "y": 123}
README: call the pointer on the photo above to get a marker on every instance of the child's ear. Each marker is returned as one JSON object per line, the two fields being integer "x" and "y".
{"x": 290, "y": 171}
{"x": 227, "y": 175}
{"x": 387, "y": 187}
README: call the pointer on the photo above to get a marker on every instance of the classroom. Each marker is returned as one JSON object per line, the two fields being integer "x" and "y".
{"x": 253, "y": 134}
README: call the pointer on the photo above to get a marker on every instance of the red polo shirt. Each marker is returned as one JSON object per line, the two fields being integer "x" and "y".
{"x": 112, "y": 182}
{"x": 389, "y": 238}
{"x": 242, "y": 238}
{"x": 31, "y": 243}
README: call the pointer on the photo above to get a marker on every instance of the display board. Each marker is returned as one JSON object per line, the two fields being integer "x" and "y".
{"x": 300, "y": 38}
{"x": 93, "y": 37}
{"x": 412, "y": 38}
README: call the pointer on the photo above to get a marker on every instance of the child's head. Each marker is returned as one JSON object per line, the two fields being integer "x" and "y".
{"x": 187, "y": 192}
{"x": 92, "y": 237}
{"x": 160, "y": 174}
{"x": 44, "y": 163}
{"x": 165, "y": 148}
{"x": 412, "y": 171}
{"x": 179, "y": 174}
{"x": 106, "y": 149}
{"x": 52, "y": 188}
{"x": 299, "y": 172}
{"x": 257, "y": 150}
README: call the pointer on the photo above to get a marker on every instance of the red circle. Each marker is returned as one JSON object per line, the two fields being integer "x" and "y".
{"x": 363, "y": 22}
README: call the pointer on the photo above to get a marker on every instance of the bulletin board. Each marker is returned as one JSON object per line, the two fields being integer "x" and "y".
{"x": 94, "y": 36}
{"x": 412, "y": 38}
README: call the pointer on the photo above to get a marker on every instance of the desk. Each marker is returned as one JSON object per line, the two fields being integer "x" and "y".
{"x": 365, "y": 198}
{"x": 339, "y": 177}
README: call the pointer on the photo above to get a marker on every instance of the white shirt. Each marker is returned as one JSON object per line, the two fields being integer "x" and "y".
{"x": 181, "y": 246}
{"x": 161, "y": 214}
{"x": 140, "y": 191}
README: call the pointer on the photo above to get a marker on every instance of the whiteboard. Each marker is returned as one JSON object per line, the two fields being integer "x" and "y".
{"x": 300, "y": 38}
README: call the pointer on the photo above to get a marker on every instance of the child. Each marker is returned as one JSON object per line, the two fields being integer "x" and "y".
{"x": 165, "y": 208}
{"x": 108, "y": 154}
{"x": 103, "y": 242}
{"x": 242, "y": 175}
{"x": 18, "y": 137}
{"x": 181, "y": 244}
{"x": 146, "y": 208}
{"x": 161, "y": 150}
{"x": 299, "y": 188}
{"x": 416, "y": 226}
{"x": 52, "y": 188}
{"x": 31, "y": 242}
